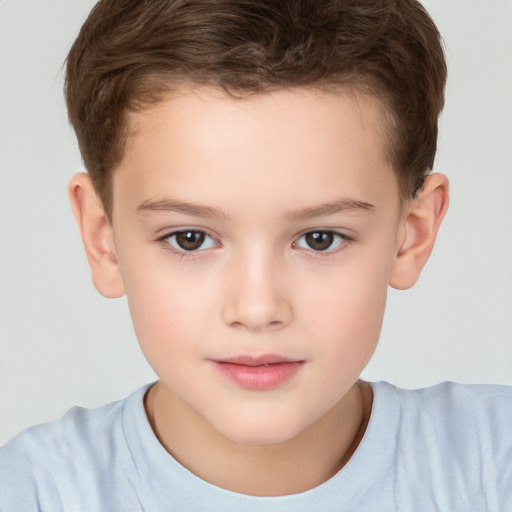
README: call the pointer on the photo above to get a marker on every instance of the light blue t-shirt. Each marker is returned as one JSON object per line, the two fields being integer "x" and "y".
{"x": 445, "y": 448}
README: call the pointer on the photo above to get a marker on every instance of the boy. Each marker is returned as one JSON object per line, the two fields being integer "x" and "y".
{"x": 258, "y": 175}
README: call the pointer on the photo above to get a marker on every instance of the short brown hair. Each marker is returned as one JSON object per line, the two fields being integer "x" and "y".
{"x": 131, "y": 52}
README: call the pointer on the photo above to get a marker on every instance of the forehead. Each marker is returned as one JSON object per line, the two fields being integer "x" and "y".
{"x": 192, "y": 107}
{"x": 304, "y": 141}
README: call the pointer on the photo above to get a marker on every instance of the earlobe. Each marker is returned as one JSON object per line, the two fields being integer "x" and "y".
{"x": 420, "y": 225}
{"x": 97, "y": 236}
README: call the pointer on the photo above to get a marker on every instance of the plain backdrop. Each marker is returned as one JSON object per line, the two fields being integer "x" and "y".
{"x": 62, "y": 344}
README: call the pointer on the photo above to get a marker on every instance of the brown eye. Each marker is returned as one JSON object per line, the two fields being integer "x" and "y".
{"x": 190, "y": 240}
{"x": 319, "y": 240}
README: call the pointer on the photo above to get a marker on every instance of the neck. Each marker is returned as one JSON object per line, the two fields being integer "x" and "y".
{"x": 294, "y": 466}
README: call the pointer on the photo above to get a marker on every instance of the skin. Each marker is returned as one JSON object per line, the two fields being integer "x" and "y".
{"x": 257, "y": 175}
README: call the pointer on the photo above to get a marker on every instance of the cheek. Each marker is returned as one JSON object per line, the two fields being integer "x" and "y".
{"x": 347, "y": 293}
{"x": 353, "y": 325}
{"x": 346, "y": 308}
{"x": 169, "y": 309}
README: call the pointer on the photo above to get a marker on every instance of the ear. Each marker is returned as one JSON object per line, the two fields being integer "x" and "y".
{"x": 97, "y": 236}
{"x": 420, "y": 224}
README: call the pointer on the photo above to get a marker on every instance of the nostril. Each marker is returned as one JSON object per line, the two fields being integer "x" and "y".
{"x": 237, "y": 325}
{"x": 276, "y": 324}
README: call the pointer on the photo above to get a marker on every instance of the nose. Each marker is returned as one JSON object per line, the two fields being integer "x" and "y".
{"x": 256, "y": 296}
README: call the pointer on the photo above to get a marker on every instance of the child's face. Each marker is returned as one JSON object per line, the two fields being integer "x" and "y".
{"x": 290, "y": 213}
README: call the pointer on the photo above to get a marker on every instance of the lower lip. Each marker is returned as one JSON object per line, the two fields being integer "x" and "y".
{"x": 259, "y": 377}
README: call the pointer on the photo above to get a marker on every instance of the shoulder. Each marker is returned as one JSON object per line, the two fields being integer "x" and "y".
{"x": 465, "y": 413}
{"x": 456, "y": 437}
{"x": 448, "y": 395}
{"x": 77, "y": 430}
{"x": 453, "y": 412}
{"x": 48, "y": 466}
{"x": 452, "y": 403}
{"x": 460, "y": 407}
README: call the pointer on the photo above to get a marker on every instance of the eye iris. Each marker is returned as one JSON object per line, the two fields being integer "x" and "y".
{"x": 319, "y": 240}
{"x": 190, "y": 240}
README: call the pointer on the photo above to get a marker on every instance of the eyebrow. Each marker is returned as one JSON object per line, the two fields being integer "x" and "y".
{"x": 332, "y": 207}
{"x": 198, "y": 210}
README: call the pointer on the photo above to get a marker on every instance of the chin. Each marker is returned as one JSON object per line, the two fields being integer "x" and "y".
{"x": 260, "y": 432}
{"x": 258, "y": 438}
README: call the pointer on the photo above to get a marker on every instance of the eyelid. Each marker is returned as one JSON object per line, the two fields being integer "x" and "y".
{"x": 183, "y": 252}
{"x": 344, "y": 243}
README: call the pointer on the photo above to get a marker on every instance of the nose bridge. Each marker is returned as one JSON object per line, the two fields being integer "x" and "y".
{"x": 257, "y": 298}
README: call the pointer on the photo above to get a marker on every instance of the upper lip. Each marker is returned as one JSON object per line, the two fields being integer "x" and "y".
{"x": 247, "y": 360}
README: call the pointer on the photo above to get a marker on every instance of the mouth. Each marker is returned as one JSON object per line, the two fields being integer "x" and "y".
{"x": 258, "y": 373}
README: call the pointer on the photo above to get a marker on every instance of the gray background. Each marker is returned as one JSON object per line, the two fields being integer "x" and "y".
{"x": 62, "y": 344}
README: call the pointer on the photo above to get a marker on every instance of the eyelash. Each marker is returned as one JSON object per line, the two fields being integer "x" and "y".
{"x": 344, "y": 242}
{"x": 183, "y": 253}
